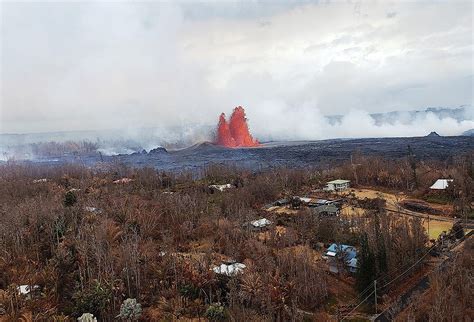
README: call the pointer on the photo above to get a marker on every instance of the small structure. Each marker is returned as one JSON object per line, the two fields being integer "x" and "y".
{"x": 40, "y": 180}
{"x": 220, "y": 187}
{"x": 327, "y": 210}
{"x": 337, "y": 185}
{"x": 230, "y": 268}
{"x": 260, "y": 224}
{"x": 338, "y": 254}
{"x": 441, "y": 184}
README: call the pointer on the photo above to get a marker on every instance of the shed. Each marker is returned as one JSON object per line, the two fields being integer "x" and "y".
{"x": 441, "y": 184}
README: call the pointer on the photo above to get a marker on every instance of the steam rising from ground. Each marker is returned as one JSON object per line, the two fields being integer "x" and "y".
{"x": 161, "y": 78}
{"x": 273, "y": 121}
{"x": 307, "y": 123}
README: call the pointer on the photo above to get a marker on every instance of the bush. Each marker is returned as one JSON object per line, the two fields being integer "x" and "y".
{"x": 130, "y": 310}
{"x": 94, "y": 299}
{"x": 70, "y": 199}
{"x": 216, "y": 312}
{"x": 87, "y": 317}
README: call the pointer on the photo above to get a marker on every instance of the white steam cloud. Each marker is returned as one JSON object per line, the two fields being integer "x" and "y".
{"x": 173, "y": 67}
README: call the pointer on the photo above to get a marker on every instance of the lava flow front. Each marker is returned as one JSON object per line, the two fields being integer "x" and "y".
{"x": 235, "y": 133}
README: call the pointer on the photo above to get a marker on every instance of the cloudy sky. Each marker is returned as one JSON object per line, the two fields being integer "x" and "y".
{"x": 104, "y": 65}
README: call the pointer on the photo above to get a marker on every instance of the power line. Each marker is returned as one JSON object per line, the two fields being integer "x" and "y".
{"x": 368, "y": 296}
{"x": 375, "y": 281}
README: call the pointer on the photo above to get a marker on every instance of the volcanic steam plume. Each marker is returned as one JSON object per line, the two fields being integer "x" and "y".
{"x": 235, "y": 133}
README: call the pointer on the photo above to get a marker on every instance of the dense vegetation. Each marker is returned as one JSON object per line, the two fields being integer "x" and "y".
{"x": 144, "y": 248}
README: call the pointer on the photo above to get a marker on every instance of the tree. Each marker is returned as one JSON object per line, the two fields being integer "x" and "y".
{"x": 412, "y": 160}
{"x": 70, "y": 199}
{"x": 366, "y": 265}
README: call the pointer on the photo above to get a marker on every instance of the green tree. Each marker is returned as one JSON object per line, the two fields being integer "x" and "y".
{"x": 70, "y": 199}
{"x": 366, "y": 265}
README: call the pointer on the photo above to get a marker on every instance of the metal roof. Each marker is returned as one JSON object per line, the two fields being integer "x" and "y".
{"x": 339, "y": 181}
{"x": 261, "y": 222}
{"x": 350, "y": 251}
{"x": 441, "y": 184}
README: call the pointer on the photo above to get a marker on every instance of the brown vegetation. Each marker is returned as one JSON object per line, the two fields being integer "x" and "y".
{"x": 90, "y": 244}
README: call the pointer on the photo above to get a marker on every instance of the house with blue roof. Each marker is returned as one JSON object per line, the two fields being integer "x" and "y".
{"x": 341, "y": 256}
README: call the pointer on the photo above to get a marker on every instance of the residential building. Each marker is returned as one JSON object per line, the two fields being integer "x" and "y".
{"x": 337, "y": 185}
{"x": 339, "y": 254}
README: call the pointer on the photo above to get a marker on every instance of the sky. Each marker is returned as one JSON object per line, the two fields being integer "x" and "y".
{"x": 120, "y": 65}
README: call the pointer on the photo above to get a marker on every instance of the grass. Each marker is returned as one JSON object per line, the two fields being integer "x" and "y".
{"x": 437, "y": 227}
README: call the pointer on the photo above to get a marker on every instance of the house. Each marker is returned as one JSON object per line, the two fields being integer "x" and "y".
{"x": 326, "y": 210}
{"x": 337, "y": 254}
{"x": 337, "y": 185}
{"x": 441, "y": 184}
{"x": 229, "y": 268}
{"x": 259, "y": 224}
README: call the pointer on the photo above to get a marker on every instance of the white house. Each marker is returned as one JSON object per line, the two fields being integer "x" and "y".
{"x": 441, "y": 184}
{"x": 337, "y": 185}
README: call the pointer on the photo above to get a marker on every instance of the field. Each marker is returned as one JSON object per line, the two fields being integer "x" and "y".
{"x": 437, "y": 224}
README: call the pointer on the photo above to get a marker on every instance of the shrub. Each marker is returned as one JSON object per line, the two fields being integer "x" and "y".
{"x": 70, "y": 199}
{"x": 216, "y": 312}
{"x": 94, "y": 299}
{"x": 87, "y": 317}
{"x": 130, "y": 310}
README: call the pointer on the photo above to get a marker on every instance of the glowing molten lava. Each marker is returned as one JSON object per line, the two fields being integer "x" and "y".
{"x": 235, "y": 133}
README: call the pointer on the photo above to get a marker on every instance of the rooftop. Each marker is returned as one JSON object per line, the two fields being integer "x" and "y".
{"x": 339, "y": 181}
{"x": 441, "y": 184}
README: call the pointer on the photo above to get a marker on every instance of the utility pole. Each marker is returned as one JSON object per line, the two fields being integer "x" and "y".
{"x": 428, "y": 227}
{"x": 375, "y": 287}
{"x": 354, "y": 171}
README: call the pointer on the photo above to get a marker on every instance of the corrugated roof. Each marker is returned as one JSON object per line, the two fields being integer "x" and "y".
{"x": 350, "y": 251}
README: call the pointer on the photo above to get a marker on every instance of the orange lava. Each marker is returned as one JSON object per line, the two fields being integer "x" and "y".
{"x": 235, "y": 133}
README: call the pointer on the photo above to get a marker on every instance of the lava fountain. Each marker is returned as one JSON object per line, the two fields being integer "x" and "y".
{"x": 235, "y": 133}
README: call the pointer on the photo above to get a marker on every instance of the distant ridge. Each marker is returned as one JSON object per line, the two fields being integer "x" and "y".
{"x": 468, "y": 133}
{"x": 433, "y": 134}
